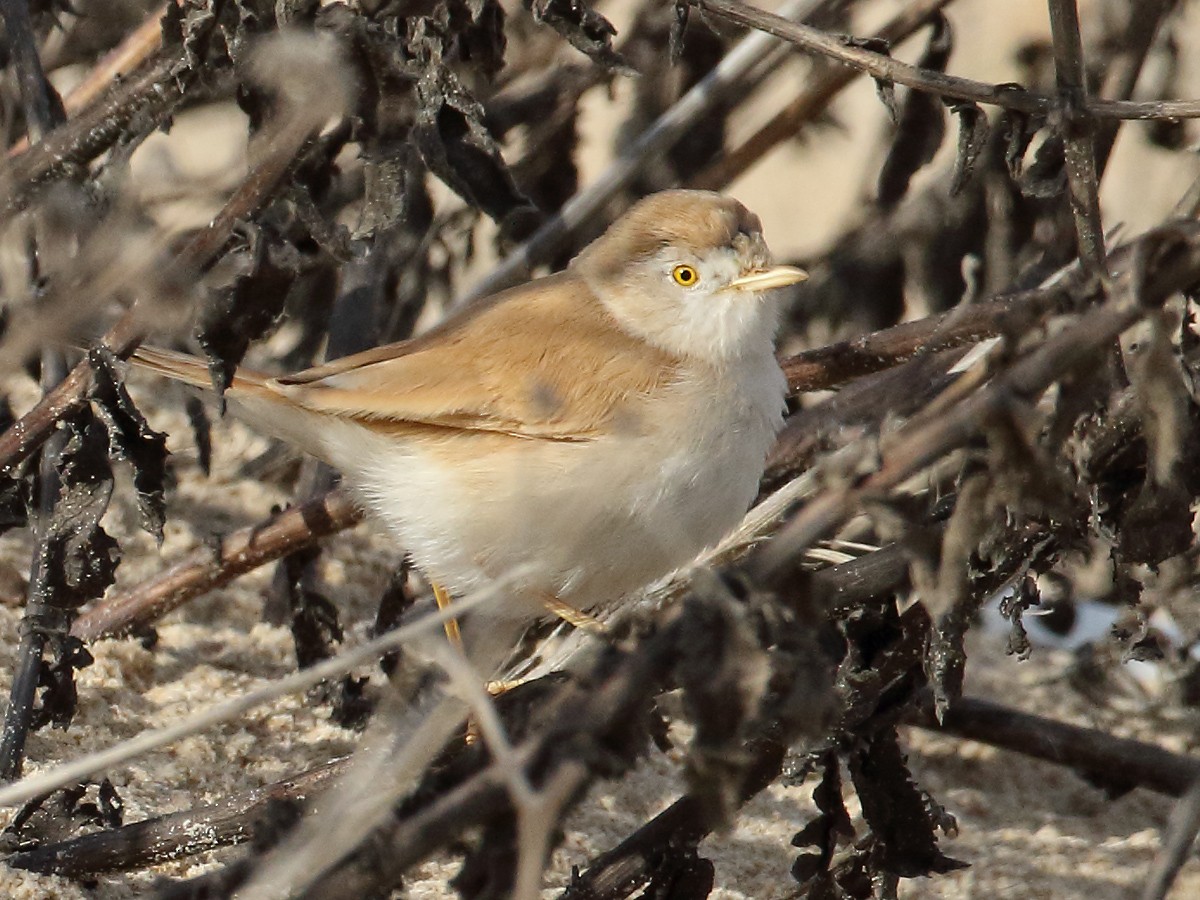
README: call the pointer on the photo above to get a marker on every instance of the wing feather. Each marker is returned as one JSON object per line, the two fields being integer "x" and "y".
{"x": 510, "y": 365}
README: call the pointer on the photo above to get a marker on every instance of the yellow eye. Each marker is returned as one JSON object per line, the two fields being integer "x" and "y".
{"x": 685, "y": 276}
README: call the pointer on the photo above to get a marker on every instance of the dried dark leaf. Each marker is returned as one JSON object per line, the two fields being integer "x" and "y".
{"x": 973, "y": 133}
{"x": 14, "y": 501}
{"x": 681, "y": 874}
{"x": 679, "y": 25}
{"x": 451, "y": 137}
{"x": 79, "y": 556}
{"x": 263, "y": 268}
{"x": 1046, "y": 177}
{"x": 585, "y": 29}
{"x": 921, "y": 125}
{"x": 477, "y": 27}
{"x": 1018, "y": 129}
{"x": 1013, "y": 608}
{"x": 131, "y": 440}
{"x": 905, "y": 842}
{"x": 823, "y": 832}
{"x": 201, "y": 432}
{"x": 59, "y": 697}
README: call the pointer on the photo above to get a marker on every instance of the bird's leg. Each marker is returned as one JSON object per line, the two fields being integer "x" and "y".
{"x": 450, "y": 626}
{"x": 569, "y": 614}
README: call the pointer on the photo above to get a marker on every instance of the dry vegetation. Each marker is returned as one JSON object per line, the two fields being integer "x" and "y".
{"x": 1005, "y": 404}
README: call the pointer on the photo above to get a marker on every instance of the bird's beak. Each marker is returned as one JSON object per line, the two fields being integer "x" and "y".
{"x": 768, "y": 279}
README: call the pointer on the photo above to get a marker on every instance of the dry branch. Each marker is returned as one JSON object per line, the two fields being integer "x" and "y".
{"x": 887, "y": 69}
{"x": 212, "y": 567}
{"x": 1079, "y": 133}
{"x": 810, "y": 103}
{"x": 1096, "y": 755}
{"x": 175, "y": 835}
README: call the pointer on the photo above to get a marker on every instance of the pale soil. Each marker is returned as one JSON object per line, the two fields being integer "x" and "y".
{"x": 1028, "y": 829}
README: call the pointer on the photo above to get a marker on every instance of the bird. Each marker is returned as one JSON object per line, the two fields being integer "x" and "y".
{"x": 575, "y": 437}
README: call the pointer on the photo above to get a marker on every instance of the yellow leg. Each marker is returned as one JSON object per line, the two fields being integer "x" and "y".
{"x": 453, "y": 635}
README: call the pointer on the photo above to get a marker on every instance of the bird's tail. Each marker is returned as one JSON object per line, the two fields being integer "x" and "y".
{"x": 193, "y": 370}
{"x": 253, "y": 399}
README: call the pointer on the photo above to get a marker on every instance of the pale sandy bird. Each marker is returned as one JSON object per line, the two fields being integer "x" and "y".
{"x": 592, "y": 430}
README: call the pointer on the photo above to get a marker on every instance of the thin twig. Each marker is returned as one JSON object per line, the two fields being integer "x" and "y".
{"x": 1181, "y": 832}
{"x": 174, "y": 835}
{"x": 809, "y": 104}
{"x": 43, "y": 113}
{"x": 137, "y": 47}
{"x": 834, "y": 364}
{"x": 886, "y": 68}
{"x": 208, "y": 568}
{"x": 1079, "y": 133}
{"x": 149, "y": 95}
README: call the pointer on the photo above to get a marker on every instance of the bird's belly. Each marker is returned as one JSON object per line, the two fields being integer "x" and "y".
{"x": 587, "y": 522}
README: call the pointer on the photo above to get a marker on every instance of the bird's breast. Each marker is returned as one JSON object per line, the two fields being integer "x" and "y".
{"x": 592, "y": 520}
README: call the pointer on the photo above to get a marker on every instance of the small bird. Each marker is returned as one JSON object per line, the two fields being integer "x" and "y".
{"x": 591, "y": 430}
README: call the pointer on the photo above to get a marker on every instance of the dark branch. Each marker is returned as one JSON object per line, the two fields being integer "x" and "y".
{"x": 887, "y": 69}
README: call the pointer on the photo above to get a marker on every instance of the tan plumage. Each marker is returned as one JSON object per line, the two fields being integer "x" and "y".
{"x": 594, "y": 428}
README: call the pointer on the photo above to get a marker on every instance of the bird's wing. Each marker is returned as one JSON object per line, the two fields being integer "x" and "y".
{"x": 545, "y": 360}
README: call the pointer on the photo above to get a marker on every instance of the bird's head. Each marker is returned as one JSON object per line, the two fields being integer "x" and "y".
{"x": 688, "y": 272}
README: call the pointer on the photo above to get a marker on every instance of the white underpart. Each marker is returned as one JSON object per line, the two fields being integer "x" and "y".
{"x": 588, "y": 522}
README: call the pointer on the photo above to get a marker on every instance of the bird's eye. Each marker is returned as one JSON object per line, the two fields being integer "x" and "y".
{"x": 685, "y": 276}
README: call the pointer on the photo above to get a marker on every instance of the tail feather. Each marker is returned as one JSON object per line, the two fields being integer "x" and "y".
{"x": 254, "y": 399}
{"x": 191, "y": 369}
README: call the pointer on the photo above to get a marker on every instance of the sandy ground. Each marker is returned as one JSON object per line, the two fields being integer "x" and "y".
{"x": 1028, "y": 829}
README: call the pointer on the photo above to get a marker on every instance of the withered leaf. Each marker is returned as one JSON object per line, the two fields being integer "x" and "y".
{"x": 585, "y": 29}
{"x": 131, "y": 440}
{"x": 921, "y": 124}
{"x": 264, "y": 269}
{"x": 78, "y": 556}
{"x": 679, "y": 23}
{"x": 973, "y": 133}
{"x": 899, "y": 819}
{"x": 1018, "y": 129}
{"x": 883, "y": 86}
{"x": 201, "y": 431}
{"x": 823, "y": 832}
{"x": 15, "y": 485}
{"x": 451, "y": 137}
{"x": 59, "y": 697}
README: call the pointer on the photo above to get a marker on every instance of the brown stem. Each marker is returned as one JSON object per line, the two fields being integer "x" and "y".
{"x": 136, "y": 49}
{"x": 175, "y": 835}
{"x": 205, "y": 569}
{"x": 1093, "y": 753}
{"x": 1079, "y": 133}
{"x": 149, "y": 94}
{"x": 885, "y": 68}
{"x": 834, "y": 364}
